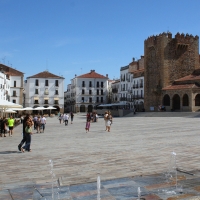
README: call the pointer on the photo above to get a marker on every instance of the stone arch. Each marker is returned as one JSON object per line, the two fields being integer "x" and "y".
{"x": 90, "y": 108}
{"x": 176, "y": 101}
{"x": 166, "y": 100}
{"x": 197, "y": 100}
{"x": 185, "y": 100}
{"x": 82, "y": 108}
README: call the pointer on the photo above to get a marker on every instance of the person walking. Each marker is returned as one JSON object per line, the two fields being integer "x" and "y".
{"x": 106, "y": 119}
{"x": 3, "y": 127}
{"x": 27, "y": 118}
{"x": 11, "y": 123}
{"x": 87, "y": 126}
{"x": 43, "y": 122}
{"x": 38, "y": 125}
{"x": 66, "y": 119}
{"x": 72, "y": 117}
{"x": 109, "y": 121}
{"x": 28, "y": 133}
{"x": 60, "y": 118}
{"x": 34, "y": 121}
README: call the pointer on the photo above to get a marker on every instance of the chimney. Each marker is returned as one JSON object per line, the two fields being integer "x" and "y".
{"x": 92, "y": 70}
{"x": 133, "y": 59}
{"x": 75, "y": 75}
{"x": 107, "y": 75}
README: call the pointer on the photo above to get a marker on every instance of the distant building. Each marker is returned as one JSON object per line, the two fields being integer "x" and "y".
{"x": 136, "y": 68}
{"x": 115, "y": 91}
{"x": 44, "y": 89}
{"x": 67, "y": 101}
{"x": 12, "y": 86}
{"x": 87, "y": 91}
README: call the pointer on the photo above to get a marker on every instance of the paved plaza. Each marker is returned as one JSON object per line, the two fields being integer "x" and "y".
{"x": 138, "y": 146}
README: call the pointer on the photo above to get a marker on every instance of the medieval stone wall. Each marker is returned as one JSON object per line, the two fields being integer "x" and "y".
{"x": 165, "y": 60}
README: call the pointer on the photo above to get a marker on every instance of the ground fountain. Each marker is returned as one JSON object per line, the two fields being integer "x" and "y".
{"x": 171, "y": 176}
{"x": 139, "y": 193}
{"x": 98, "y": 187}
{"x": 55, "y": 195}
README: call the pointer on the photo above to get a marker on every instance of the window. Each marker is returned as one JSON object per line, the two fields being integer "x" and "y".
{"x": 14, "y": 101}
{"x": 15, "y": 83}
{"x": 36, "y": 82}
{"x": 90, "y": 84}
{"x": 36, "y": 102}
{"x": 97, "y": 99}
{"x": 46, "y": 91}
{"x": 46, "y": 102}
{"x": 101, "y": 99}
{"x": 83, "y": 83}
{"x": 90, "y": 99}
{"x": 46, "y": 83}
{"x": 97, "y": 83}
{"x": 56, "y": 83}
{"x": 101, "y": 92}
{"x": 101, "y": 84}
{"x": 83, "y": 91}
{"x": 97, "y": 92}
{"x": 56, "y": 92}
{"x": 90, "y": 91}
{"x": 36, "y": 91}
{"x": 56, "y": 102}
{"x": 14, "y": 93}
{"x": 83, "y": 99}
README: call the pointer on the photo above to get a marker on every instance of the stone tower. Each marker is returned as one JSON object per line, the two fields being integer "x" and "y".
{"x": 165, "y": 60}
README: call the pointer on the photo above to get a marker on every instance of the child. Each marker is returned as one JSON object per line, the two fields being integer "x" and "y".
{"x": 87, "y": 126}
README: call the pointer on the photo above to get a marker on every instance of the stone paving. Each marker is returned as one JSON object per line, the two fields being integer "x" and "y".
{"x": 134, "y": 154}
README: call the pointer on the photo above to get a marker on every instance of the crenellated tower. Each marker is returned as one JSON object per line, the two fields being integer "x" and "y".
{"x": 165, "y": 60}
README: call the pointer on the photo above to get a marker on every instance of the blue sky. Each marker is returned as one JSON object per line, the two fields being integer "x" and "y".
{"x": 68, "y": 37}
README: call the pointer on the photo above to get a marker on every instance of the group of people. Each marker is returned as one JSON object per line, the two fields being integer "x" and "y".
{"x": 107, "y": 118}
{"x": 65, "y": 118}
{"x": 39, "y": 123}
{"x": 7, "y": 126}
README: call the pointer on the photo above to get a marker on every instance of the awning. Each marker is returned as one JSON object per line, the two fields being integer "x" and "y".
{"x": 46, "y": 98}
{"x": 36, "y": 98}
{"x": 56, "y": 98}
{"x": 114, "y": 104}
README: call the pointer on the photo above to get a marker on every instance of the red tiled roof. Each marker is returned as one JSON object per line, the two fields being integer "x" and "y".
{"x": 189, "y": 78}
{"x": 179, "y": 87}
{"x": 11, "y": 71}
{"x": 45, "y": 74}
{"x": 92, "y": 74}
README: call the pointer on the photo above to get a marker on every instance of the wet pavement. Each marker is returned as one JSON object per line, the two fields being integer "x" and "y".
{"x": 152, "y": 187}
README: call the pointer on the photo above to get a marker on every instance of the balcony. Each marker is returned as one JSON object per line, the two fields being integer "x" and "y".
{"x": 136, "y": 86}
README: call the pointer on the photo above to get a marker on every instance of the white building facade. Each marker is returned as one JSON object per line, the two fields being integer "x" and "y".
{"x": 44, "y": 89}
{"x": 87, "y": 91}
{"x": 12, "y": 86}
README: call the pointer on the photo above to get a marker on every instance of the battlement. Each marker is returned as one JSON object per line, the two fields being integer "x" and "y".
{"x": 181, "y": 39}
{"x": 152, "y": 40}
